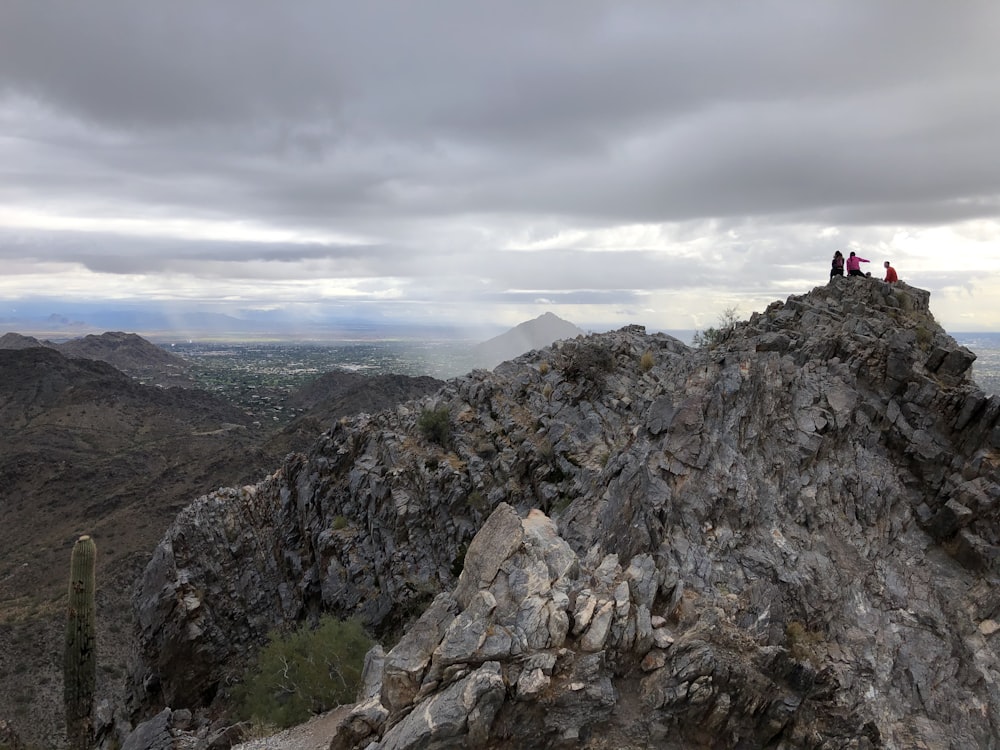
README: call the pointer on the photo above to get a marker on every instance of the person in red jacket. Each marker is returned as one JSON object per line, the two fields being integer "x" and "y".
{"x": 890, "y": 274}
{"x": 854, "y": 265}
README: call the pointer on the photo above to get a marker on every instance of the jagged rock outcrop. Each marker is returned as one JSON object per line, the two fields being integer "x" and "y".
{"x": 539, "y": 648}
{"x": 788, "y": 539}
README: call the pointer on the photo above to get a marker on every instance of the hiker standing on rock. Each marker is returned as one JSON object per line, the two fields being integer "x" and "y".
{"x": 890, "y": 274}
{"x": 854, "y": 265}
{"x": 837, "y": 267}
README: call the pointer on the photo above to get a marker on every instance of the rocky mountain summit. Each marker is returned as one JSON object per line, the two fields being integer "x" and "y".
{"x": 785, "y": 539}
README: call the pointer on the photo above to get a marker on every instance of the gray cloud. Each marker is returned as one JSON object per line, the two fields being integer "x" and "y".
{"x": 420, "y": 142}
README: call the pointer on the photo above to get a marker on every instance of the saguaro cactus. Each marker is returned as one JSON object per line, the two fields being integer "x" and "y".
{"x": 80, "y": 658}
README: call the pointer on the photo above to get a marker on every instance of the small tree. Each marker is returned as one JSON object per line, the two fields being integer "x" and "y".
{"x": 712, "y": 337}
{"x": 304, "y": 673}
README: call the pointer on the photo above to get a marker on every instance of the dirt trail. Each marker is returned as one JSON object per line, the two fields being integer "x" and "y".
{"x": 313, "y": 735}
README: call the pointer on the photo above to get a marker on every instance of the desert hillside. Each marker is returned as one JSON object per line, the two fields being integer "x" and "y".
{"x": 85, "y": 448}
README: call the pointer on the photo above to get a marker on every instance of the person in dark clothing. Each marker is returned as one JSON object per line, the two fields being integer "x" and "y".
{"x": 837, "y": 267}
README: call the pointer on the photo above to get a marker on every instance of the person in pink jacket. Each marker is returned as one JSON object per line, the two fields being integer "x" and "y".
{"x": 854, "y": 265}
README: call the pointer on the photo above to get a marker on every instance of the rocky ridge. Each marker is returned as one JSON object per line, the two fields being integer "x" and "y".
{"x": 788, "y": 539}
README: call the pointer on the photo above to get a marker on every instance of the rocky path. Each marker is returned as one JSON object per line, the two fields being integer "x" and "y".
{"x": 313, "y": 735}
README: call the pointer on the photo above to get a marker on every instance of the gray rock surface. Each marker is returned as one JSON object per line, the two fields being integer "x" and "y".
{"x": 786, "y": 540}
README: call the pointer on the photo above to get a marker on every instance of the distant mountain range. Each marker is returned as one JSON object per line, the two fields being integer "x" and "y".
{"x": 127, "y": 352}
{"x": 134, "y": 355}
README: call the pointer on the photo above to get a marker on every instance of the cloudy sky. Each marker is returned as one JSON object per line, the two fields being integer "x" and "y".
{"x": 470, "y": 162}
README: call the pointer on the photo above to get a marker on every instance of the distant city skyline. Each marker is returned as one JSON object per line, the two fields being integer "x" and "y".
{"x": 471, "y": 166}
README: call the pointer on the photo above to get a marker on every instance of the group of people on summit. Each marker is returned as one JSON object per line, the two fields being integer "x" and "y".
{"x": 853, "y": 267}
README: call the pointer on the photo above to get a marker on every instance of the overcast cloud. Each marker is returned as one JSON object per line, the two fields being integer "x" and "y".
{"x": 640, "y": 162}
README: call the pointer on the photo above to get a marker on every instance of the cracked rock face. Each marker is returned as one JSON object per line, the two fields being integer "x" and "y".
{"x": 787, "y": 539}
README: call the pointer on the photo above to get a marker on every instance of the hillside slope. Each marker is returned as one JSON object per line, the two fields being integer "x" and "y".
{"x": 788, "y": 539}
{"x": 85, "y": 448}
{"x": 339, "y": 393}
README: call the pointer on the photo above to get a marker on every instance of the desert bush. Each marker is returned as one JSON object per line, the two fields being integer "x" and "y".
{"x": 712, "y": 337}
{"x": 435, "y": 424}
{"x": 804, "y": 644}
{"x": 904, "y": 299}
{"x": 546, "y": 451}
{"x": 924, "y": 338}
{"x": 647, "y": 361}
{"x": 305, "y": 672}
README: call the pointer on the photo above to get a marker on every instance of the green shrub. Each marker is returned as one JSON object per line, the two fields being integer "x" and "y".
{"x": 303, "y": 673}
{"x": 435, "y": 424}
